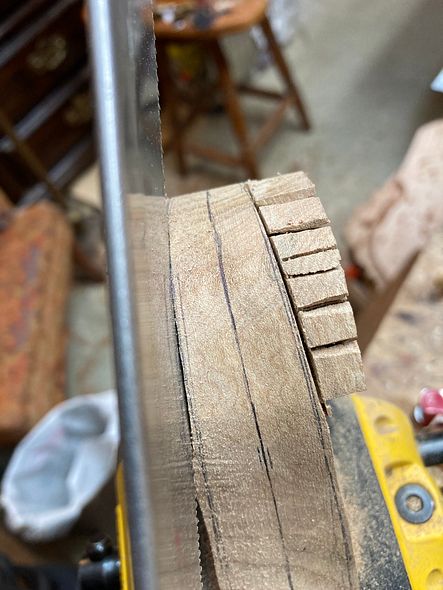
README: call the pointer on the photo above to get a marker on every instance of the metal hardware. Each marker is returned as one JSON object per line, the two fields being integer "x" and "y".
{"x": 99, "y": 547}
{"x": 100, "y": 569}
{"x": 79, "y": 110}
{"x": 431, "y": 448}
{"x": 397, "y": 463}
{"x": 48, "y": 54}
{"x": 414, "y": 503}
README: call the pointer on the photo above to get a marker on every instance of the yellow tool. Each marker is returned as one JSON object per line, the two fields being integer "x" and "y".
{"x": 408, "y": 501}
{"x": 383, "y": 477}
{"x": 413, "y": 499}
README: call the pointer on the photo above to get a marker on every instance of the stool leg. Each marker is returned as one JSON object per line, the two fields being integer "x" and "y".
{"x": 234, "y": 110}
{"x": 170, "y": 100}
{"x": 282, "y": 66}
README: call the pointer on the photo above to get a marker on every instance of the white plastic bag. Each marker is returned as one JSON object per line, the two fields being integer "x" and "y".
{"x": 60, "y": 466}
{"x": 284, "y": 16}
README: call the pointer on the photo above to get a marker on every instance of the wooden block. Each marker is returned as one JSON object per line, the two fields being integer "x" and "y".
{"x": 338, "y": 370}
{"x": 162, "y": 391}
{"x": 313, "y": 290}
{"x": 294, "y": 216}
{"x": 258, "y": 429}
{"x": 328, "y": 325}
{"x": 312, "y": 263}
{"x": 281, "y": 189}
{"x": 304, "y": 242}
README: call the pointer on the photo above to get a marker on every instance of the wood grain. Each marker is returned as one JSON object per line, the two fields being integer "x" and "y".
{"x": 311, "y": 263}
{"x": 163, "y": 399}
{"x": 262, "y": 456}
{"x": 294, "y": 216}
{"x": 288, "y": 188}
{"x": 314, "y": 290}
{"x": 338, "y": 369}
{"x": 328, "y": 325}
{"x": 304, "y": 242}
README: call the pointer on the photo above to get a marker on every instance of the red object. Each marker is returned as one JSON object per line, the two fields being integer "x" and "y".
{"x": 352, "y": 271}
{"x": 431, "y": 405}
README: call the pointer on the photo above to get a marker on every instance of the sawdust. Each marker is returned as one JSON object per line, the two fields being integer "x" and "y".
{"x": 356, "y": 520}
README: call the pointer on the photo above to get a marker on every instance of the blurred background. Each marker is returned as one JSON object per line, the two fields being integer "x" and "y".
{"x": 347, "y": 91}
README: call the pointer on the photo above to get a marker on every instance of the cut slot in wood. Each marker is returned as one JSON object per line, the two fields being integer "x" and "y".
{"x": 328, "y": 325}
{"x": 338, "y": 369}
{"x": 258, "y": 427}
{"x": 305, "y": 242}
{"x": 256, "y": 372}
{"x": 318, "y": 289}
{"x": 288, "y": 188}
{"x": 294, "y": 216}
{"x": 311, "y": 263}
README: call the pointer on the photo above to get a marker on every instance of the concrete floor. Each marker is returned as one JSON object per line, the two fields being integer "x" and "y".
{"x": 365, "y": 70}
{"x": 90, "y": 362}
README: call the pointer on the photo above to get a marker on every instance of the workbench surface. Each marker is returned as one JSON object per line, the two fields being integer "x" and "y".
{"x": 406, "y": 352}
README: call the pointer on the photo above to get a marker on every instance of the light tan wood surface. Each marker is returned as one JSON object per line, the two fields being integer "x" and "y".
{"x": 318, "y": 293}
{"x": 311, "y": 263}
{"x": 328, "y": 325}
{"x": 317, "y": 289}
{"x": 262, "y": 457}
{"x": 163, "y": 402}
{"x": 297, "y": 244}
{"x": 406, "y": 352}
{"x": 338, "y": 368}
{"x": 294, "y": 216}
{"x": 288, "y": 188}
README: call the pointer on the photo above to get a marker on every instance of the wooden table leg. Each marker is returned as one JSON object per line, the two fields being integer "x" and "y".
{"x": 234, "y": 110}
{"x": 170, "y": 100}
{"x": 90, "y": 268}
{"x": 282, "y": 66}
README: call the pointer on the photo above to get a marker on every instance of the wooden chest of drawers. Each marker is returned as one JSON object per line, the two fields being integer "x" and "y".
{"x": 45, "y": 93}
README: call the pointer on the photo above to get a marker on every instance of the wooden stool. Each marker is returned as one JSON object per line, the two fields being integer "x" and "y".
{"x": 243, "y": 16}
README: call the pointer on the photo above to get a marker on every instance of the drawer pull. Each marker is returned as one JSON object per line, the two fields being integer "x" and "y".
{"x": 79, "y": 110}
{"x": 48, "y": 54}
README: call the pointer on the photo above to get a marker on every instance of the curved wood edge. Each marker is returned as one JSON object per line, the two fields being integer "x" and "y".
{"x": 262, "y": 457}
{"x": 309, "y": 260}
{"x": 162, "y": 399}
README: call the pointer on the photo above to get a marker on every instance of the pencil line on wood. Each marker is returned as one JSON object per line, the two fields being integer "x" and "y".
{"x": 313, "y": 394}
{"x": 219, "y": 251}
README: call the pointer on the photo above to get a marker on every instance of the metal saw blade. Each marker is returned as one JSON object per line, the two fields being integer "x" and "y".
{"x": 160, "y": 496}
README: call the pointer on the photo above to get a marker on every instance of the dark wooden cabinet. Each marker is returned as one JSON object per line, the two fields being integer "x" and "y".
{"x": 44, "y": 82}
